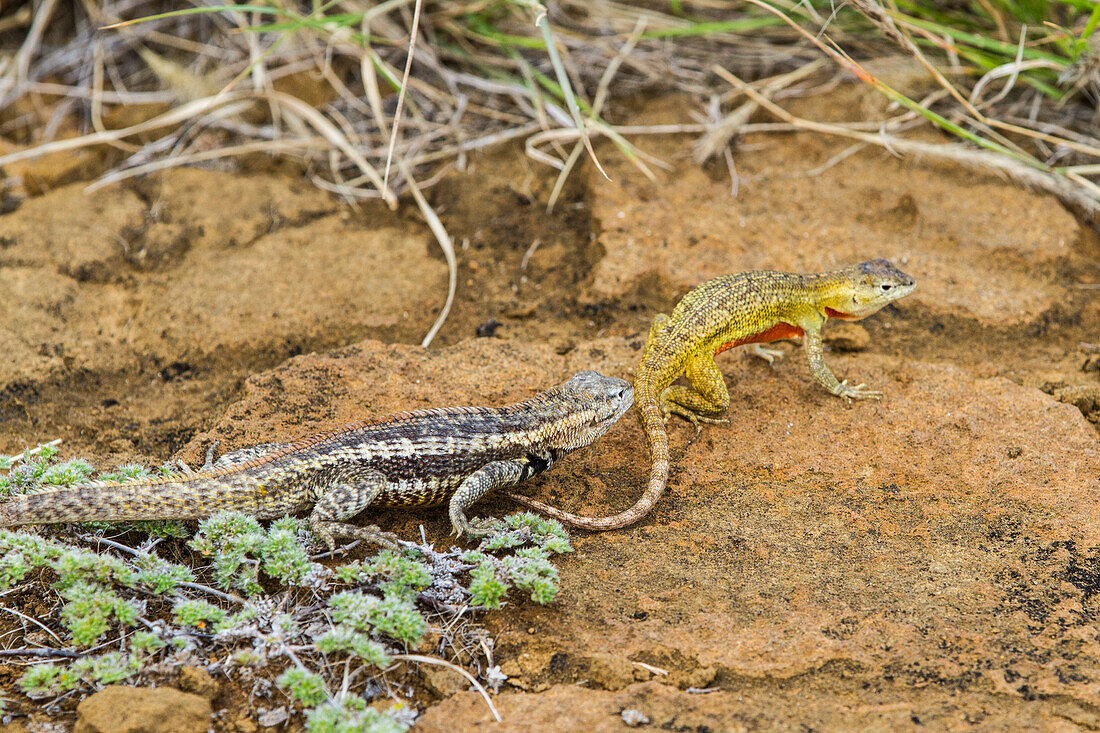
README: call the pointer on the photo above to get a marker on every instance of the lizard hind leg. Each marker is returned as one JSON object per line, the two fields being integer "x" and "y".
{"x": 339, "y": 502}
{"x": 658, "y": 325}
{"x": 706, "y": 396}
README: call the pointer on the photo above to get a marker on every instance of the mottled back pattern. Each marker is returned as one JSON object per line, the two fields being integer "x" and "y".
{"x": 722, "y": 311}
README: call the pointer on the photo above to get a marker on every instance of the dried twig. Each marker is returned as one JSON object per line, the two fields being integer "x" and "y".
{"x": 454, "y": 667}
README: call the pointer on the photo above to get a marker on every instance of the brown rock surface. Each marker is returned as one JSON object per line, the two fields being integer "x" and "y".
{"x": 747, "y": 709}
{"x": 977, "y": 246}
{"x": 150, "y": 301}
{"x": 946, "y": 536}
{"x": 211, "y": 284}
{"x": 118, "y": 709}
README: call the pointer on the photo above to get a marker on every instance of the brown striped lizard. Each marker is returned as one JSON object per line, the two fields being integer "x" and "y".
{"x": 448, "y": 456}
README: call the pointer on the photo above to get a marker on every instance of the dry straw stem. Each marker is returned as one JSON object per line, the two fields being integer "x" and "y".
{"x": 320, "y": 123}
{"x": 34, "y": 621}
{"x": 413, "y": 31}
{"x": 317, "y": 143}
{"x": 445, "y": 243}
{"x": 33, "y": 451}
{"x": 597, "y": 108}
{"x": 1083, "y": 199}
{"x": 443, "y": 663}
{"x": 184, "y": 113}
{"x": 718, "y": 138}
{"x": 543, "y": 25}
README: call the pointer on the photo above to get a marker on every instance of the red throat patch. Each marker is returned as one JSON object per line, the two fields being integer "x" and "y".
{"x": 842, "y": 316}
{"x": 776, "y": 332}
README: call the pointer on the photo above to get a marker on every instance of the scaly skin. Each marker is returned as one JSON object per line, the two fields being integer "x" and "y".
{"x": 746, "y": 308}
{"x": 426, "y": 457}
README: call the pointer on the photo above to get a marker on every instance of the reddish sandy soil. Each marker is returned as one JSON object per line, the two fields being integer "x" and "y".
{"x": 931, "y": 561}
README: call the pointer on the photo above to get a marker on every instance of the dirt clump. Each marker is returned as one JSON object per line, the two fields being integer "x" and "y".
{"x": 197, "y": 681}
{"x": 118, "y": 709}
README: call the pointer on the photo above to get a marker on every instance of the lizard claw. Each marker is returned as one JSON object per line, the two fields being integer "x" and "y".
{"x": 698, "y": 420}
{"x": 464, "y": 527}
{"x": 856, "y": 392}
{"x": 768, "y": 355}
{"x": 478, "y": 528}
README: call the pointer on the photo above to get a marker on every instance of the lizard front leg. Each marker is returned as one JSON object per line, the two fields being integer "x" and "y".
{"x": 815, "y": 352}
{"x": 491, "y": 476}
{"x": 706, "y": 395}
{"x": 335, "y": 503}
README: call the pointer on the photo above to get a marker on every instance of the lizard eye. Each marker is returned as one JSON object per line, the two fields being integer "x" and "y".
{"x": 886, "y": 287}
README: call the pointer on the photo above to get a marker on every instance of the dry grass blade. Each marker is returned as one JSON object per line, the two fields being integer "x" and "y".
{"x": 173, "y": 117}
{"x": 719, "y": 137}
{"x": 597, "y": 108}
{"x": 401, "y": 94}
{"x": 321, "y": 124}
{"x": 542, "y": 23}
{"x": 445, "y": 243}
{"x": 34, "y": 621}
{"x": 260, "y": 146}
{"x": 454, "y": 667}
{"x": 21, "y": 67}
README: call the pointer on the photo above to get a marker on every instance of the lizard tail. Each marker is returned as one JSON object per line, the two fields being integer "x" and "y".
{"x": 654, "y": 425}
{"x": 108, "y": 501}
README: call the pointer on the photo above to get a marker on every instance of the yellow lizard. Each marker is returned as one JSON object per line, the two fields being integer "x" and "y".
{"x": 728, "y": 311}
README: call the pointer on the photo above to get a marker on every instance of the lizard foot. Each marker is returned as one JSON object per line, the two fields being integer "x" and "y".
{"x": 329, "y": 531}
{"x": 768, "y": 355}
{"x": 698, "y": 423}
{"x": 696, "y": 419}
{"x": 475, "y": 528}
{"x": 857, "y": 392}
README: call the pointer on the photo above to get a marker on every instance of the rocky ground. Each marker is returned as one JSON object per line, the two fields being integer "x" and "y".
{"x": 931, "y": 561}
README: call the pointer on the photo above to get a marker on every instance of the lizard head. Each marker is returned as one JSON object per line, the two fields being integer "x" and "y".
{"x": 591, "y": 404}
{"x": 867, "y": 287}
